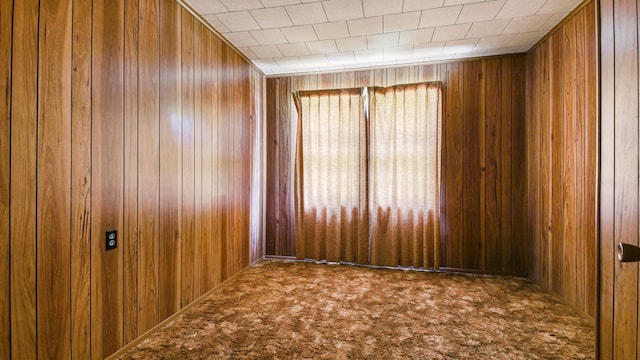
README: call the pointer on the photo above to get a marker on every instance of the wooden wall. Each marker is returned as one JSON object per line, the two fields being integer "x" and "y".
{"x": 619, "y": 316}
{"x": 562, "y": 160}
{"x": 127, "y": 115}
{"x": 484, "y": 164}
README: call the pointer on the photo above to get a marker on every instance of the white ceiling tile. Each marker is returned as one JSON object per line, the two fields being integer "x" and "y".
{"x": 352, "y": 43}
{"x": 460, "y": 2}
{"x": 380, "y": 41}
{"x": 401, "y": 22}
{"x": 248, "y": 52}
{"x": 480, "y": 12}
{"x": 517, "y": 8}
{"x": 305, "y": 14}
{"x": 492, "y": 42}
{"x": 346, "y": 57}
{"x": 272, "y": 3}
{"x": 237, "y": 5}
{"x": 299, "y": 33}
{"x": 439, "y": 17}
{"x": 204, "y": 7}
{"x": 470, "y": 54}
{"x": 267, "y": 51}
{"x": 416, "y": 36}
{"x": 289, "y": 62}
{"x": 451, "y": 32}
{"x": 368, "y": 56}
{"x": 332, "y": 30}
{"x": 297, "y": 49}
{"x": 502, "y": 51}
{"x": 269, "y": 37}
{"x": 271, "y": 18}
{"x": 556, "y": 6}
{"x": 411, "y": 5}
{"x": 322, "y": 46}
{"x": 337, "y": 10}
{"x": 428, "y": 50}
{"x": 397, "y": 53}
{"x": 216, "y": 23}
{"x": 381, "y": 7}
{"x": 265, "y": 63}
{"x": 526, "y": 24}
{"x": 460, "y": 46}
{"x": 241, "y": 39}
{"x": 527, "y": 39}
{"x": 365, "y": 26}
{"x": 238, "y": 21}
{"x": 488, "y": 28}
{"x": 314, "y": 60}
{"x": 553, "y": 21}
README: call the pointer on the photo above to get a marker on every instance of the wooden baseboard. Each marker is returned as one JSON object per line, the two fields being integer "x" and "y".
{"x": 151, "y": 331}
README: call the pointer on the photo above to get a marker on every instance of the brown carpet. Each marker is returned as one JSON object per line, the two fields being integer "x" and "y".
{"x": 286, "y": 310}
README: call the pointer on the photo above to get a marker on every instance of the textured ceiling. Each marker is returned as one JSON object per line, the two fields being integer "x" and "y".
{"x": 290, "y": 36}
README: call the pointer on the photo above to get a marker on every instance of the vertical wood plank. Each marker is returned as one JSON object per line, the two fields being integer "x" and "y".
{"x": 492, "y": 208}
{"x": 626, "y": 175}
{"x": 285, "y": 217}
{"x": 188, "y": 159}
{"x": 580, "y": 165}
{"x": 472, "y": 173}
{"x": 216, "y": 169}
{"x": 198, "y": 247}
{"x": 6, "y": 23}
{"x": 148, "y": 166}
{"x": 107, "y": 178}
{"x": 591, "y": 146}
{"x": 54, "y": 181}
{"x": 557, "y": 161}
{"x": 207, "y": 275}
{"x": 505, "y": 176}
{"x": 454, "y": 242}
{"x": 223, "y": 161}
{"x": 130, "y": 233}
{"x": 81, "y": 182}
{"x": 273, "y": 171}
{"x": 569, "y": 175}
{"x": 607, "y": 180}
{"x": 519, "y": 169}
{"x": 22, "y": 223}
{"x": 170, "y": 160}
{"x": 545, "y": 168}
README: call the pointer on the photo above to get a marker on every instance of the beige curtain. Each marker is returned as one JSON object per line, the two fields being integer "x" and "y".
{"x": 404, "y": 177}
{"x": 368, "y": 175}
{"x": 331, "y": 170}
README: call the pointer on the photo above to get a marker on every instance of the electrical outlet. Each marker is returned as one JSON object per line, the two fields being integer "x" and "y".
{"x": 111, "y": 239}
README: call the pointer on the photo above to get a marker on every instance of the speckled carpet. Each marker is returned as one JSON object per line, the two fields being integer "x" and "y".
{"x": 282, "y": 310}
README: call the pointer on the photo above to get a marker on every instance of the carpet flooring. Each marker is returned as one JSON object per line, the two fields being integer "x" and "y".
{"x": 284, "y": 310}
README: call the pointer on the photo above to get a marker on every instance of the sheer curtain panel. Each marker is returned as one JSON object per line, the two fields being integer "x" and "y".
{"x": 368, "y": 175}
{"x": 404, "y": 178}
{"x": 331, "y": 172}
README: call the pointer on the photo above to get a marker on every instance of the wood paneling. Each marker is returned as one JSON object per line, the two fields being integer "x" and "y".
{"x": 107, "y": 154}
{"x": 81, "y": 182}
{"x": 473, "y": 146}
{"x": 6, "y": 11}
{"x": 148, "y": 166}
{"x": 109, "y": 120}
{"x": 561, "y": 113}
{"x": 619, "y": 316}
{"x": 23, "y": 180}
{"x": 130, "y": 206}
{"x": 54, "y": 180}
